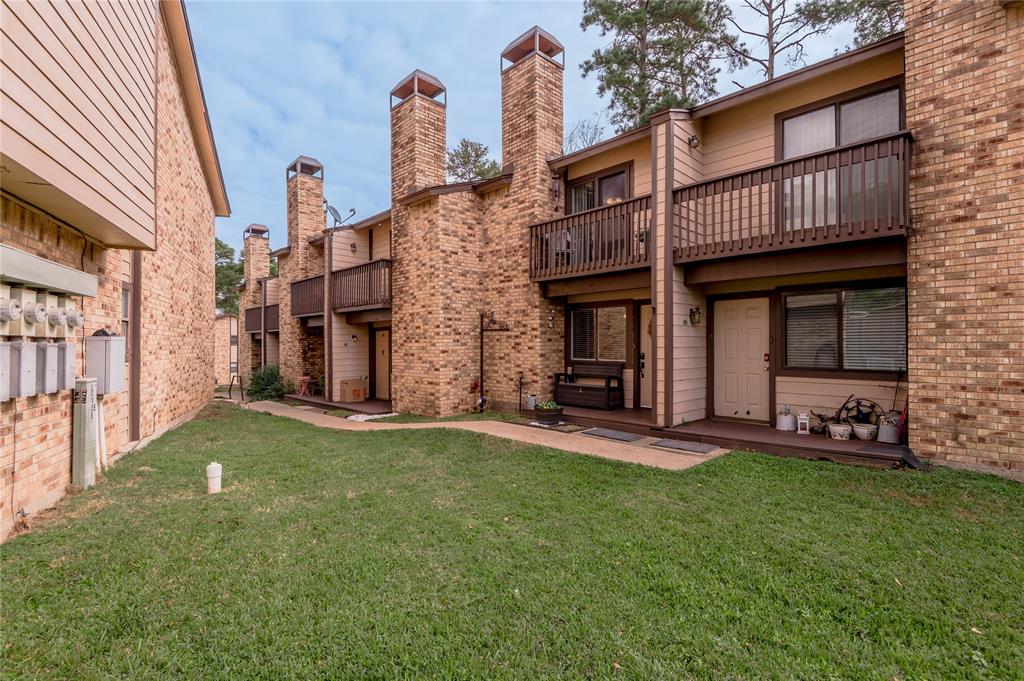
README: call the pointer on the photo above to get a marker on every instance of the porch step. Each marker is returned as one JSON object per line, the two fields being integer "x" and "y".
{"x": 610, "y": 434}
{"x": 686, "y": 446}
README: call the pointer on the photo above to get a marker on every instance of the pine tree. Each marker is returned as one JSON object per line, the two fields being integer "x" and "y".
{"x": 468, "y": 161}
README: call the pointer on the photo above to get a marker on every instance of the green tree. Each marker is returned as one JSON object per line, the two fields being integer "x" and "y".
{"x": 872, "y": 19}
{"x": 227, "y": 276}
{"x": 782, "y": 27}
{"x": 468, "y": 161}
{"x": 663, "y": 53}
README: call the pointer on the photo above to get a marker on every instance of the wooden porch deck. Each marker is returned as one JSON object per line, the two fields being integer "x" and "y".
{"x": 365, "y": 407}
{"x": 750, "y": 437}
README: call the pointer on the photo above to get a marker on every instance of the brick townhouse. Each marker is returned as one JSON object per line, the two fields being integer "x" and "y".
{"x": 110, "y": 186}
{"x": 849, "y": 228}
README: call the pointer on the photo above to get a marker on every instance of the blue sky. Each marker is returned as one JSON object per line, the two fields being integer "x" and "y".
{"x": 289, "y": 78}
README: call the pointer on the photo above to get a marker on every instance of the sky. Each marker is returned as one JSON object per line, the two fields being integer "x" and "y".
{"x": 290, "y": 78}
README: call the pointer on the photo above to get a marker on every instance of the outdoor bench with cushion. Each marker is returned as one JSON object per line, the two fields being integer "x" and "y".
{"x": 604, "y": 393}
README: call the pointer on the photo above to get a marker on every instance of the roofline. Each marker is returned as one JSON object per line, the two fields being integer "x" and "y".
{"x": 284, "y": 250}
{"x": 180, "y": 39}
{"x": 884, "y": 46}
{"x": 365, "y": 222}
{"x": 786, "y": 80}
{"x": 476, "y": 186}
{"x": 612, "y": 142}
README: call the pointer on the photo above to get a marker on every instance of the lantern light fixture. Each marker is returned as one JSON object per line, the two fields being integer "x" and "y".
{"x": 696, "y": 315}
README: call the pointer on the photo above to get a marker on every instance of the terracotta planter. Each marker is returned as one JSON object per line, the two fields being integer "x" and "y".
{"x": 549, "y": 417}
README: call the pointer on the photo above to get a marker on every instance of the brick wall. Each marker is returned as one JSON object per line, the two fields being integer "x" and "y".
{"x": 223, "y": 355}
{"x": 176, "y": 332}
{"x": 256, "y": 265}
{"x": 305, "y": 198}
{"x": 964, "y": 94}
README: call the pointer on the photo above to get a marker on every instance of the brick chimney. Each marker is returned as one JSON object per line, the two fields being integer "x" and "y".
{"x": 305, "y": 189}
{"x": 417, "y": 134}
{"x": 256, "y": 261}
{"x": 531, "y": 114}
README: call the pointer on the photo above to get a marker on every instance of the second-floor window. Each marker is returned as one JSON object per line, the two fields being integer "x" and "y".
{"x": 599, "y": 189}
{"x": 853, "y": 194}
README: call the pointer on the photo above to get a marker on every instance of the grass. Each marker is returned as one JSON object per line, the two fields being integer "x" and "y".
{"x": 442, "y": 554}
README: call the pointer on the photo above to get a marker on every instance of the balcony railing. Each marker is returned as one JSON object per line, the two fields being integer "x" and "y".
{"x": 849, "y": 193}
{"x": 308, "y": 296}
{"x": 253, "y": 319}
{"x": 273, "y": 318}
{"x": 605, "y": 239}
{"x": 364, "y": 287}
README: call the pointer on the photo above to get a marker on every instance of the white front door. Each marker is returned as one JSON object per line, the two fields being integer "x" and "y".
{"x": 741, "y": 332}
{"x": 646, "y": 384}
{"x": 382, "y": 369}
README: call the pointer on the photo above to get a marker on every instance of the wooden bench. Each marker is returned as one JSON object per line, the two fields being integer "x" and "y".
{"x": 606, "y": 395}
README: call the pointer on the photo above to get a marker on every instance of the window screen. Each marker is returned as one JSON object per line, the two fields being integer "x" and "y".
{"x": 583, "y": 334}
{"x": 869, "y": 117}
{"x": 809, "y": 132}
{"x": 611, "y": 334}
{"x": 875, "y": 329}
{"x": 812, "y": 326}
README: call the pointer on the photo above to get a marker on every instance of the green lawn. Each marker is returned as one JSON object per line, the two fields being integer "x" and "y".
{"x": 443, "y": 554}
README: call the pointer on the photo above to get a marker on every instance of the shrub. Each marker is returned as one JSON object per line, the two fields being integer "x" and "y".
{"x": 266, "y": 384}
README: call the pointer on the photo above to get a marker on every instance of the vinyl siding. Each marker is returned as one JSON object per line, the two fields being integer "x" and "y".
{"x": 639, "y": 152}
{"x": 79, "y": 102}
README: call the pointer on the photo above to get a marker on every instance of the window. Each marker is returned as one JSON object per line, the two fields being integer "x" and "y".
{"x": 233, "y": 367}
{"x": 126, "y": 313}
{"x": 599, "y": 190}
{"x": 599, "y": 334}
{"x": 810, "y": 200}
{"x": 862, "y": 329}
{"x": 234, "y": 339}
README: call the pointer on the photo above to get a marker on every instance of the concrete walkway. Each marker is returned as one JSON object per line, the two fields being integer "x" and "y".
{"x": 639, "y": 451}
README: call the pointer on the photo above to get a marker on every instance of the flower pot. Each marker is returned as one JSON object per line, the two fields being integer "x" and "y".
{"x": 865, "y": 431}
{"x": 839, "y": 431}
{"x": 549, "y": 417}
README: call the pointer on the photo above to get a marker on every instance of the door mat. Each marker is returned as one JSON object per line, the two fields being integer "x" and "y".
{"x": 685, "y": 446}
{"x": 609, "y": 434}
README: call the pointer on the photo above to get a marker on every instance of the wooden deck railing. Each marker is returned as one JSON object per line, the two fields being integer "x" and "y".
{"x": 852, "y": 192}
{"x": 253, "y": 319}
{"x": 604, "y": 239}
{"x": 308, "y": 296}
{"x": 363, "y": 287}
{"x": 273, "y": 317}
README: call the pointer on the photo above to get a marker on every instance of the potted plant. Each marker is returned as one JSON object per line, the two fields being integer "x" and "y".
{"x": 548, "y": 412}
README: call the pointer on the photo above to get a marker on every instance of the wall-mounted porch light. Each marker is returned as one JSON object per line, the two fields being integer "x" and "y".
{"x": 352, "y": 246}
{"x": 694, "y": 141}
{"x": 696, "y": 315}
{"x": 556, "y": 187}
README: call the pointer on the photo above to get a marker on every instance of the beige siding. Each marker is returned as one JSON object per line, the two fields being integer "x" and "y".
{"x": 79, "y": 103}
{"x": 744, "y": 137}
{"x": 273, "y": 290}
{"x": 351, "y": 358}
{"x": 639, "y": 152}
{"x": 382, "y": 241}
{"x": 341, "y": 248}
{"x": 825, "y": 395}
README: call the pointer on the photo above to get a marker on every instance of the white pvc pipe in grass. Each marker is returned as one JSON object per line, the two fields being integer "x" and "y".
{"x": 213, "y": 473}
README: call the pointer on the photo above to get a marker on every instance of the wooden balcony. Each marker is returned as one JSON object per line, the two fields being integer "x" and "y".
{"x": 308, "y": 296}
{"x": 850, "y": 193}
{"x": 273, "y": 317}
{"x": 254, "y": 318}
{"x": 607, "y": 239}
{"x": 364, "y": 287}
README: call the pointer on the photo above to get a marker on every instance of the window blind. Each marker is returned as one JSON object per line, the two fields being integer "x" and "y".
{"x": 583, "y": 336}
{"x": 869, "y": 117}
{"x": 809, "y": 132}
{"x": 875, "y": 329}
{"x": 812, "y": 328}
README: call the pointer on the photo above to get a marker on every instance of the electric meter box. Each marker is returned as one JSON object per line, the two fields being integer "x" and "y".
{"x": 5, "y": 371}
{"x": 23, "y": 369}
{"x": 10, "y": 310}
{"x": 46, "y": 368}
{"x": 33, "y": 314}
{"x": 56, "y": 316}
{"x": 66, "y": 366}
{"x": 104, "y": 361}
